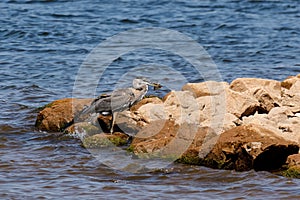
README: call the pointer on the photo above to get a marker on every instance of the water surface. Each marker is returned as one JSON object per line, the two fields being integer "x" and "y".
{"x": 42, "y": 45}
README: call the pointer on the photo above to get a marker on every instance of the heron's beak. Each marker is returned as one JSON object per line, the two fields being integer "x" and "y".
{"x": 156, "y": 86}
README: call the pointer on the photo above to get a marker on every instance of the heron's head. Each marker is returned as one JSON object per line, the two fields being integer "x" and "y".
{"x": 141, "y": 82}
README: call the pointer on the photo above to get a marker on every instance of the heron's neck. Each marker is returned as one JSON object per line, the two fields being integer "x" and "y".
{"x": 142, "y": 92}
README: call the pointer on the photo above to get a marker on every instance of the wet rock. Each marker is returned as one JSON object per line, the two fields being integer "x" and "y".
{"x": 250, "y": 147}
{"x": 105, "y": 140}
{"x": 57, "y": 115}
{"x": 208, "y": 88}
{"x": 82, "y": 129}
{"x": 293, "y": 166}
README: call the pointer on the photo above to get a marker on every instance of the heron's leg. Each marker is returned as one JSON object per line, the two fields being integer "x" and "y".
{"x": 114, "y": 115}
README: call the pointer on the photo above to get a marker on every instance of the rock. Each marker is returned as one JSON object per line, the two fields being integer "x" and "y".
{"x": 222, "y": 123}
{"x": 267, "y": 102}
{"x": 250, "y": 147}
{"x": 280, "y": 120}
{"x": 182, "y": 107}
{"x": 208, "y": 88}
{"x": 168, "y": 140}
{"x": 105, "y": 140}
{"x": 57, "y": 115}
{"x": 150, "y": 141}
{"x": 267, "y": 92}
{"x": 152, "y": 112}
{"x": 128, "y": 122}
{"x": 293, "y": 160}
{"x": 291, "y": 96}
{"x": 289, "y": 81}
{"x": 229, "y": 102}
{"x": 82, "y": 129}
{"x": 153, "y": 100}
{"x": 293, "y": 166}
{"x": 240, "y": 104}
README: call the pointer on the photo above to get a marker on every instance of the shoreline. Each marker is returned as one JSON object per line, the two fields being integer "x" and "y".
{"x": 248, "y": 124}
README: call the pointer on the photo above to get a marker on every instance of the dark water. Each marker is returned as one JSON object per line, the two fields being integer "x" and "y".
{"x": 44, "y": 42}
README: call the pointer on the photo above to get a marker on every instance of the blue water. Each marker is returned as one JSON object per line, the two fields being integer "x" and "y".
{"x": 42, "y": 46}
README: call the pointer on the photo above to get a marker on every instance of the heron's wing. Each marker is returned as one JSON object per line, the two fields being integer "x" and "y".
{"x": 99, "y": 105}
{"x": 119, "y": 100}
{"x": 122, "y": 99}
{"x": 101, "y": 96}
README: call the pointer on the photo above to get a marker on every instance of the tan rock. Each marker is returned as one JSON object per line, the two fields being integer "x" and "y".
{"x": 59, "y": 114}
{"x": 168, "y": 140}
{"x": 295, "y": 88}
{"x": 208, "y": 88}
{"x": 153, "y": 100}
{"x": 221, "y": 112}
{"x": 250, "y": 147}
{"x": 153, "y": 112}
{"x": 182, "y": 107}
{"x": 280, "y": 120}
{"x": 267, "y": 92}
{"x": 244, "y": 84}
{"x": 293, "y": 160}
{"x": 289, "y": 81}
{"x": 240, "y": 104}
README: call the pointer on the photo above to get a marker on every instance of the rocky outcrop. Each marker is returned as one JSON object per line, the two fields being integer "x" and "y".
{"x": 247, "y": 124}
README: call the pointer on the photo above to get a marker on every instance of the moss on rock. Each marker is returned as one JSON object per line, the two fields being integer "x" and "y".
{"x": 293, "y": 172}
{"x": 104, "y": 140}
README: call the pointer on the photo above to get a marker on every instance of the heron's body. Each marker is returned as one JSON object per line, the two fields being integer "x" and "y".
{"x": 119, "y": 100}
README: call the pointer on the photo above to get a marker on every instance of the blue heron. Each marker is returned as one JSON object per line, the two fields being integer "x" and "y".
{"x": 119, "y": 100}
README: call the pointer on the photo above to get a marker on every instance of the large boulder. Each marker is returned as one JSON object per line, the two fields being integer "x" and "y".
{"x": 57, "y": 115}
{"x": 168, "y": 140}
{"x": 250, "y": 147}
